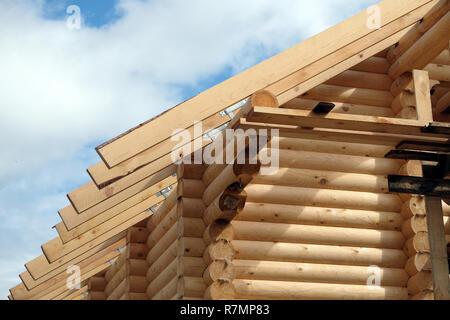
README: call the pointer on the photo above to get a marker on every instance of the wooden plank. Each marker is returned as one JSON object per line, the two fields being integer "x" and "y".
{"x": 340, "y": 107}
{"x": 83, "y": 277}
{"x": 244, "y": 84}
{"x": 292, "y": 131}
{"x": 340, "y": 121}
{"x": 67, "y": 235}
{"x": 51, "y": 278}
{"x": 40, "y": 267}
{"x": 89, "y": 195}
{"x": 423, "y": 97}
{"x": 428, "y": 47}
{"x": 438, "y": 248}
{"x": 102, "y": 175}
{"x": 77, "y": 293}
{"x": 55, "y": 249}
{"x": 439, "y": 72}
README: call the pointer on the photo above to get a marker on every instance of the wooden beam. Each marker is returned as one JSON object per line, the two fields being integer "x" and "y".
{"x": 344, "y": 122}
{"x": 121, "y": 209}
{"x": 109, "y": 252}
{"x": 425, "y": 24}
{"x": 430, "y": 45}
{"x": 422, "y": 94}
{"x": 40, "y": 266}
{"x": 256, "y": 78}
{"x": 89, "y": 195}
{"x": 374, "y": 138}
{"x": 55, "y": 249}
{"x": 438, "y": 72}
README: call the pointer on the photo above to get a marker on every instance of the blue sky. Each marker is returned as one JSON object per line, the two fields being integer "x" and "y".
{"x": 63, "y": 92}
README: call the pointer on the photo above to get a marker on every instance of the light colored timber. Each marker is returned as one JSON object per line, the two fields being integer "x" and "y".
{"x": 89, "y": 195}
{"x": 345, "y": 108}
{"x": 280, "y": 232}
{"x": 137, "y": 234}
{"x": 424, "y": 50}
{"x": 337, "y": 162}
{"x": 318, "y": 273}
{"x": 374, "y": 65}
{"x": 40, "y": 267}
{"x": 322, "y": 197}
{"x": 420, "y": 282}
{"x": 404, "y": 82}
{"x": 387, "y": 36}
{"x": 115, "y": 204}
{"x": 109, "y": 252}
{"x": 262, "y": 75}
{"x": 423, "y": 97}
{"x": 325, "y": 146}
{"x": 67, "y": 235}
{"x": 363, "y": 80}
{"x": 379, "y": 98}
{"x": 438, "y": 72}
{"x": 325, "y": 180}
{"x": 313, "y": 253}
{"x": 375, "y": 138}
{"x": 418, "y": 263}
{"x": 83, "y": 277}
{"x": 190, "y": 188}
{"x": 77, "y": 293}
{"x": 424, "y": 295}
{"x": 102, "y": 175}
{"x": 77, "y": 247}
{"x": 341, "y": 121}
{"x": 443, "y": 58}
{"x": 281, "y": 213}
{"x": 259, "y": 289}
{"x": 44, "y": 289}
{"x": 162, "y": 211}
{"x": 55, "y": 249}
{"x": 169, "y": 220}
{"x": 425, "y": 24}
{"x": 418, "y": 243}
{"x": 403, "y": 100}
{"x": 231, "y": 174}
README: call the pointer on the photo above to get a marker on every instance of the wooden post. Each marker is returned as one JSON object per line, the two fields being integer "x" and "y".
{"x": 435, "y": 222}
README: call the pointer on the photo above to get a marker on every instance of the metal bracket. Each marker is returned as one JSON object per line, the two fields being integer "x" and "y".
{"x": 164, "y": 192}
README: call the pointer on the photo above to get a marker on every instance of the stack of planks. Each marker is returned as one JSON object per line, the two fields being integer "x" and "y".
{"x": 125, "y": 279}
{"x": 175, "y": 241}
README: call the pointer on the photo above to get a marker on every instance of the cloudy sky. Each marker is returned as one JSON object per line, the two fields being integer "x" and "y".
{"x": 64, "y": 91}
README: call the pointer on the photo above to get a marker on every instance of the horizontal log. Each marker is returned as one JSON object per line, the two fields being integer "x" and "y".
{"x": 193, "y": 286}
{"x": 404, "y": 100}
{"x": 279, "y": 213}
{"x": 373, "y": 64}
{"x": 134, "y": 296}
{"x": 317, "y": 273}
{"x": 337, "y": 162}
{"x": 438, "y": 72}
{"x": 364, "y": 80}
{"x": 190, "y": 188}
{"x": 163, "y": 227}
{"x": 443, "y": 58}
{"x": 192, "y": 227}
{"x": 137, "y": 234}
{"x": 231, "y": 174}
{"x": 415, "y": 206}
{"x": 97, "y": 284}
{"x": 323, "y": 198}
{"x": 340, "y": 107}
{"x": 162, "y": 211}
{"x": 323, "y": 179}
{"x": 414, "y": 225}
{"x": 168, "y": 291}
{"x": 418, "y": 243}
{"x": 192, "y": 208}
{"x": 443, "y": 103}
{"x": 283, "y": 290}
{"x": 312, "y": 253}
{"x": 418, "y": 263}
{"x": 413, "y": 35}
{"x": 138, "y": 284}
{"x": 219, "y": 271}
{"x": 424, "y": 295}
{"x": 378, "y": 98}
{"x": 163, "y": 244}
{"x": 424, "y": 50}
{"x": 404, "y": 82}
{"x": 278, "y": 232}
{"x": 420, "y": 282}
{"x": 226, "y": 206}
{"x": 326, "y": 146}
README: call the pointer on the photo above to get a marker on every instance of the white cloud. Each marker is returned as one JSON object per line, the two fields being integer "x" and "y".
{"x": 63, "y": 90}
